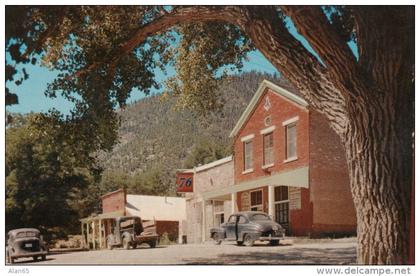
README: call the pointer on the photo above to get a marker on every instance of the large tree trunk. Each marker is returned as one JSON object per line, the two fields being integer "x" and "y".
{"x": 379, "y": 155}
{"x": 374, "y": 118}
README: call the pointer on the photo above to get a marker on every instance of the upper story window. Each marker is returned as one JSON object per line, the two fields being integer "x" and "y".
{"x": 268, "y": 149}
{"x": 291, "y": 141}
{"x": 248, "y": 155}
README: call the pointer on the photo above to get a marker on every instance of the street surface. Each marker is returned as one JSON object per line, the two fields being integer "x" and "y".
{"x": 339, "y": 251}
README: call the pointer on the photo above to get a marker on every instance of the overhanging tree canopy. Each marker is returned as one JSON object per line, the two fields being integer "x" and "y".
{"x": 102, "y": 53}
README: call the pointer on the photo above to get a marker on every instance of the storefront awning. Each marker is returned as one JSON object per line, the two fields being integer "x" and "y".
{"x": 293, "y": 178}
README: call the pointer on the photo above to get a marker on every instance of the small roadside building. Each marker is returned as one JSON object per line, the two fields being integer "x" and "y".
{"x": 287, "y": 162}
{"x": 203, "y": 209}
{"x": 168, "y": 214}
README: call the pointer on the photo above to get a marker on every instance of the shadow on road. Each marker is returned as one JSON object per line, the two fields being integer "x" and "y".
{"x": 28, "y": 261}
{"x": 294, "y": 256}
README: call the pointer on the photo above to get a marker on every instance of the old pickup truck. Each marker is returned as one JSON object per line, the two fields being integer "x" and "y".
{"x": 130, "y": 231}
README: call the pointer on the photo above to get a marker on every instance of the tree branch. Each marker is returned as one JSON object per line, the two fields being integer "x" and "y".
{"x": 341, "y": 64}
{"x": 178, "y": 15}
{"x": 269, "y": 35}
{"x": 312, "y": 23}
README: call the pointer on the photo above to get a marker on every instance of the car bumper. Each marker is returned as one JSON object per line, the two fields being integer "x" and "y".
{"x": 28, "y": 254}
{"x": 271, "y": 238}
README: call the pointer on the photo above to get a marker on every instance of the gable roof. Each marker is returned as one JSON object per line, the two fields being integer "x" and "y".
{"x": 283, "y": 92}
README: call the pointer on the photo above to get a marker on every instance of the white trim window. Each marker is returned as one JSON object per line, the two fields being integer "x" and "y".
{"x": 256, "y": 200}
{"x": 248, "y": 164}
{"x": 219, "y": 212}
{"x": 268, "y": 154}
{"x": 291, "y": 142}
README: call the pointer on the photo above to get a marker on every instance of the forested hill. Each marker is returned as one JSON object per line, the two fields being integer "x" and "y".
{"x": 156, "y": 139}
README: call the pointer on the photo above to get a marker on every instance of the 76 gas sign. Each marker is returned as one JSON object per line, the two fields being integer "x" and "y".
{"x": 184, "y": 182}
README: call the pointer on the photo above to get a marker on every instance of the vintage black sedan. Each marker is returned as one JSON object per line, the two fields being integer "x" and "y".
{"x": 24, "y": 243}
{"x": 247, "y": 227}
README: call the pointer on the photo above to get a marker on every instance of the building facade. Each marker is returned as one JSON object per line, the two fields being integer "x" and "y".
{"x": 204, "y": 211}
{"x": 290, "y": 164}
{"x": 287, "y": 162}
{"x": 168, "y": 214}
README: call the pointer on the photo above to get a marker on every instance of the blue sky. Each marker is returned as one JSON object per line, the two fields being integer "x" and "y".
{"x": 31, "y": 92}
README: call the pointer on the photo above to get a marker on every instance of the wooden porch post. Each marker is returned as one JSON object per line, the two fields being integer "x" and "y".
{"x": 100, "y": 234}
{"x": 271, "y": 201}
{"x": 87, "y": 234}
{"x": 233, "y": 198}
{"x": 93, "y": 235}
{"x": 83, "y": 234}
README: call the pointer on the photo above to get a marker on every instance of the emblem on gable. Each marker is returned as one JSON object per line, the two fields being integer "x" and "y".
{"x": 267, "y": 103}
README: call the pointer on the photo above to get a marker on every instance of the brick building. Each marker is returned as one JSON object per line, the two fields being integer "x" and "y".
{"x": 290, "y": 164}
{"x": 287, "y": 162}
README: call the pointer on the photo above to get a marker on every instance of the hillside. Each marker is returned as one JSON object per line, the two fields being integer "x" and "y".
{"x": 154, "y": 137}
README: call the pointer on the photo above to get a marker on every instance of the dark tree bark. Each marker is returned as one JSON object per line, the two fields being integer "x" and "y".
{"x": 369, "y": 101}
{"x": 380, "y": 175}
{"x": 379, "y": 104}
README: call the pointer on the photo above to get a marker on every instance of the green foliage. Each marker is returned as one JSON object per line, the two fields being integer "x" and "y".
{"x": 206, "y": 151}
{"x": 206, "y": 53}
{"x": 150, "y": 182}
{"x": 112, "y": 180}
{"x": 46, "y": 170}
{"x": 165, "y": 239}
{"x": 67, "y": 38}
{"x": 83, "y": 43}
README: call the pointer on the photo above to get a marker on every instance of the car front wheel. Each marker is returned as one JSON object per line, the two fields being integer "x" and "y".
{"x": 109, "y": 244}
{"x": 217, "y": 238}
{"x": 248, "y": 240}
{"x": 152, "y": 244}
{"x": 126, "y": 243}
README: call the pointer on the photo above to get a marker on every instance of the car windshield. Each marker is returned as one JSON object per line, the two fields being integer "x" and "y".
{"x": 26, "y": 234}
{"x": 260, "y": 217}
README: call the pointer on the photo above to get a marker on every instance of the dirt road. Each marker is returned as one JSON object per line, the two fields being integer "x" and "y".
{"x": 340, "y": 251}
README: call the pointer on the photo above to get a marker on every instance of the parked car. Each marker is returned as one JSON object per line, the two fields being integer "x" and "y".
{"x": 129, "y": 231}
{"x": 248, "y": 227}
{"x": 25, "y": 242}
